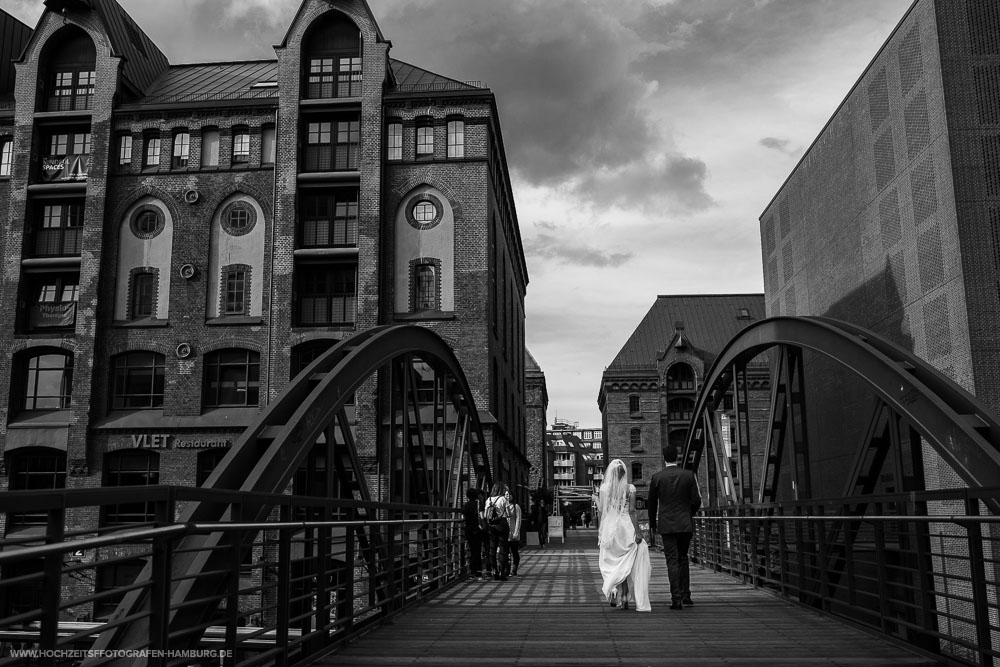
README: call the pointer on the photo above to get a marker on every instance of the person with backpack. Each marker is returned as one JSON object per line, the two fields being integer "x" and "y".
{"x": 496, "y": 511}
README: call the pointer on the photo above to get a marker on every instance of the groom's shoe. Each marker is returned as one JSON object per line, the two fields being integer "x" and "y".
{"x": 676, "y": 605}
{"x": 687, "y": 602}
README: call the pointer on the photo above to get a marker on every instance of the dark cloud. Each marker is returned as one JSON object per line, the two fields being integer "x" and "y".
{"x": 560, "y": 69}
{"x": 690, "y": 41}
{"x": 780, "y": 145}
{"x": 677, "y": 183}
{"x": 553, "y": 244}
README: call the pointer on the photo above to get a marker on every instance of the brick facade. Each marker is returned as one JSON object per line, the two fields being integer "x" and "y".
{"x": 142, "y": 97}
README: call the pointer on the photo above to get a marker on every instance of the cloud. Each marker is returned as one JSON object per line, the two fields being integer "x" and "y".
{"x": 674, "y": 182}
{"x": 560, "y": 246}
{"x": 780, "y": 145}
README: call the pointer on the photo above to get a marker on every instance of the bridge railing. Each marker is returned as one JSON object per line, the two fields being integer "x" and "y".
{"x": 922, "y": 568}
{"x": 298, "y": 585}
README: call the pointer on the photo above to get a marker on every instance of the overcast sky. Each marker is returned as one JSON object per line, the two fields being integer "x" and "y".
{"x": 644, "y": 137}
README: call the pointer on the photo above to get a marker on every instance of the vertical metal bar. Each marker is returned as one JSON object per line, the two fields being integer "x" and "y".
{"x": 345, "y": 589}
{"x": 800, "y": 549}
{"x": 824, "y": 563}
{"x": 284, "y": 588}
{"x": 782, "y": 553}
{"x": 55, "y": 532}
{"x": 849, "y": 533}
{"x": 980, "y": 597}
{"x": 159, "y": 598}
{"x": 233, "y": 598}
{"x": 882, "y": 574}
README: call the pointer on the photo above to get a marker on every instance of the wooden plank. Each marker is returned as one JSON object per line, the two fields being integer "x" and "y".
{"x": 554, "y": 614}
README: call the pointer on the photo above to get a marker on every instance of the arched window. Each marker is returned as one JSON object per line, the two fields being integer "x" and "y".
{"x": 182, "y": 148}
{"x": 130, "y": 467}
{"x": 332, "y": 54}
{"x": 635, "y": 440}
{"x": 210, "y": 148}
{"x": 680, "y": 377}
{"x": 241, "y": 146}
{"x": 137, "y": 381}
{"x": 6, "y": 156}
{"x": 232, "y": 378}
{"x": 70, "y": 71}
{"x": 426, "y": 281}
{"x": 46, "y": 381}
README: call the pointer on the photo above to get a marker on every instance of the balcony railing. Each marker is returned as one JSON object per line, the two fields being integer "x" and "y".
{"x": 330, "y": 233}
{"x": 58, "y": 242}
{"x": 337, "y": 157}
{"x": 324, "y": 310}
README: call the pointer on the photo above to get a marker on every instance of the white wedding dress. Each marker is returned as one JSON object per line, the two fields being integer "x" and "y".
{"x": 621, "y": 557}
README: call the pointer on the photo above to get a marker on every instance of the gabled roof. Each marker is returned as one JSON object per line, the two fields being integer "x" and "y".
{"x": 144, "y": 62}
{"x": 530, "y": 365}
{"x": 214, "y": 81}
{"x": 14, "y": 36}
{"x": 709, "y": 322}
{"x": 410, "y": 78}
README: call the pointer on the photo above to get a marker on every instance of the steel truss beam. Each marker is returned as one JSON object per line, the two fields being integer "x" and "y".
{"x": 959, "y": 427}
{"x": 265, "y": 457}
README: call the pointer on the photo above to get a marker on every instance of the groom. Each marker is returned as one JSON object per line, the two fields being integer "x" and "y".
{"x": 673, "y": 498}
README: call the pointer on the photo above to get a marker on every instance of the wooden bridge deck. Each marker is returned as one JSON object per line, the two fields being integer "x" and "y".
{"x": 554, "y": 615}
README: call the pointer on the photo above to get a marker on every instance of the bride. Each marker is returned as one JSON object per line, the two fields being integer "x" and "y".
{"x": 624, "y": 554}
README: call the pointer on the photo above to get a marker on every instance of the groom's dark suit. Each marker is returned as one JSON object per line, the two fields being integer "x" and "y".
{"x": 673, "y": 498}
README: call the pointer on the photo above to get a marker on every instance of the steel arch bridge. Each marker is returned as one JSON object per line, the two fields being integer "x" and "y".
{"x": 428, "y": 429}
{"x": 904, "y": 402}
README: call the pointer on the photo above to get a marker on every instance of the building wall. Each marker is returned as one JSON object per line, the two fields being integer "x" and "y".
{"x": 889, "y": 220}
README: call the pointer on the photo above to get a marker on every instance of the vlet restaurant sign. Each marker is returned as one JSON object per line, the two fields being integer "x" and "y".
{"x": 169, "y": 441}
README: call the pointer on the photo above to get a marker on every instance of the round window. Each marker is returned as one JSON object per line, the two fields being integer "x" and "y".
{"x": 147, "y": 222}
{"x": 424, "y": 211}
{"x": 239, "y": 218}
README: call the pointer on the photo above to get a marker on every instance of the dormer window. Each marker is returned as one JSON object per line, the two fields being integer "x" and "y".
{"x": 743, "y": 314}
{"x": 71, "y": 72}
{"x": 333, "y": 64}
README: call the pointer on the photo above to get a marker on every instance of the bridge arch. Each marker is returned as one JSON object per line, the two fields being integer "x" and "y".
{"x": 911, "y": 397}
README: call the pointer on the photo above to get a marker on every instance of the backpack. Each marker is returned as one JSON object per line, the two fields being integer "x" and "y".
{"x": 496, "y": 522}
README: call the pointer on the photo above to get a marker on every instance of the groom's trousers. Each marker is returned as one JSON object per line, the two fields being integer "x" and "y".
{"x": 675, "y": 550}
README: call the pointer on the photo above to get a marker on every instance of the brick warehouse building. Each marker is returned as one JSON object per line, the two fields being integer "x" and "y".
{"x": 179, "y": 240}
{"x": 891, "y": 219}
{"x": 649, "y": 391}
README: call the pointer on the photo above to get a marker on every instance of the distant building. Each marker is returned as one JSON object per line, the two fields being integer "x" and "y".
{"x": 536, "y": 401}
{"x": 891, "y": 219}
{"x": 648, "y": 392}
{"x": 575, "y": 455}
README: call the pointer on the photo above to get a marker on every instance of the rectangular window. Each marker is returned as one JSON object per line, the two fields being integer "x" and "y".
{"x": 151, "y": 160}
{"x": 130, "y": 468}
{"x": 456, "y": 138}
{"x": 124, "y": 152}
{"x": 319, "y": 84}
{"x": 72, "y": 90}
{"x": 394, "y": 142}
{"x": 236, "y": 291}
{"x": 633, "y": 404}
{"x": 232, "y": 378}
{"x": 425, "y": 140}
{"x": 425, "y": 287}
{"x": 348, "y": 144}
{"x": 49, "y": 382}
{"x": 137, "y": 381}
{"x": 6, "y": 156}
{"x": 53, "y": 300}
{"x": 327, "y": 295}
{"x": 81, "y": 143}
{"x": 143, "y": 295}
{"x": 349, "y": 77}
{"x": 267, "y": 145}
{"x": 182, "y": 147}
{"x": 59, "y": 232}
{"x": 330, "y": 220}
{"x": 241, "y": 147}
{"x": 210, "y": 148}
{"x": 58, "y": 145}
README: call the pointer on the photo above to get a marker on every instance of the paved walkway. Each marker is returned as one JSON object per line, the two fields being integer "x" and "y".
{"x": 554, "y": 615}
